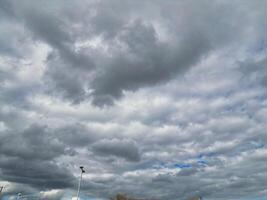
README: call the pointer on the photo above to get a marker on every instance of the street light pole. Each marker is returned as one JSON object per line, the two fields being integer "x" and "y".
{"x": 79, "y": 185}
{"x": 1, "y": 189}
{"x": 19, "y": 195}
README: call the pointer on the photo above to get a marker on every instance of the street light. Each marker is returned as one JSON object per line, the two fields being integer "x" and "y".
{"x": 79, "y": 185}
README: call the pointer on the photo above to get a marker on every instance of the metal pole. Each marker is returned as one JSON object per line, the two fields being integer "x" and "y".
{"x": 18, "y": 197}
{"x": 1, "y": 189}
{"x": 79, "y": 185}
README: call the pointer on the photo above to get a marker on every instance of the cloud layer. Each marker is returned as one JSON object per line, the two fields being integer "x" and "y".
{"x": 156, "y": 99}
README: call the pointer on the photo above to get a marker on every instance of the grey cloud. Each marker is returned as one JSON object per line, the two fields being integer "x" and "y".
{"x": 255, "y": 70}
{"x": 37, "y": 174}
{"x": 121, "y": 148}
{"x": 64, "y": 84}
{"x": 18, "y": 94}
{"x": 34, "y": 143}
{"x": 187, "y": 172}
{"x": 76, "y": 135}
{"x": 136, "y": 56}
{"x": 148, "y": 55}
{"x": 47, "y": 27}
{"x": 165, "y": 178}
{"x": 14, "y": 188}
{"x": 52, "y": 195}
{"x": 28, "y": 157}
{"x": 176, "y": 65}
{"x": 106, "y": 21}
{"x": 147, "y": 61}
{"x": 6, "y": 8}
{"x": 8, "y": 47}
{"x": 12, "y": 118}
{"x": 40, "y": 23}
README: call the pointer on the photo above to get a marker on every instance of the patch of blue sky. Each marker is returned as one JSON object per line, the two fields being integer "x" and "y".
{"x": 6, "y": 197}
{"x": 260, "y": 198}
{"x": 202, "y": 158}
{"x": 202, "y": 163}
{"x": 259, "y": 47}
{"x": 84, "y": 197}
{"x": 182, "y": 165}
{"x": 257, "y": 145}
{"x": 172, "y": 165}
{"x": 251, "y": 146}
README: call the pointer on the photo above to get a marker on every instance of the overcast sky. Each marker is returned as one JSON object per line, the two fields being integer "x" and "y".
{"x": 158, "y": 99}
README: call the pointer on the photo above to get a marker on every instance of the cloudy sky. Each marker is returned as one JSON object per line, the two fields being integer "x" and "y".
{"x": 158, "y": 99}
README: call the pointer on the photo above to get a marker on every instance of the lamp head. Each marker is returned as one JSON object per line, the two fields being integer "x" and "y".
{"x": 82, "y": 169}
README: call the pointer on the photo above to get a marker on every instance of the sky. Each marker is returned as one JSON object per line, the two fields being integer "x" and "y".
{"x": 157, "y": 99}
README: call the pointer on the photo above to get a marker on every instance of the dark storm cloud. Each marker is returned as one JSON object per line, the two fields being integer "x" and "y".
{"x": 64, "y": 84}
{"x": 34, "y": 143}
{"x": 49, "y": 27}
{"x": 28, "y": 157}
{"x": 147, "y": 62}
{"x": 136, "y": 54}
{"x": 37, "y": 174}
{"x": 121, "y": 148}
{"x": 53, "y": 31}
{"x": 34, "y": 21}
